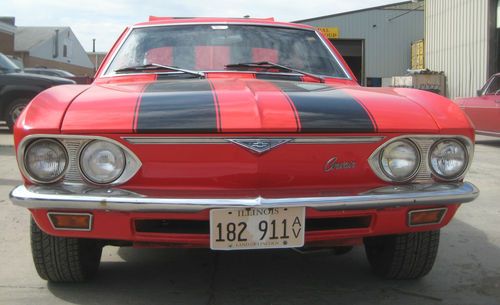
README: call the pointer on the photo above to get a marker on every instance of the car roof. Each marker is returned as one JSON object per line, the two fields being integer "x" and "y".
{"x": 154, "y": 21}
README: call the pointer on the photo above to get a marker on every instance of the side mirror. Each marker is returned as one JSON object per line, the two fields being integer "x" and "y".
{"x": 479, "y": 92}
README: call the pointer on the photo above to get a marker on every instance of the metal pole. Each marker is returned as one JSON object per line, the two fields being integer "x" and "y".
{"x": 95, "y": 54}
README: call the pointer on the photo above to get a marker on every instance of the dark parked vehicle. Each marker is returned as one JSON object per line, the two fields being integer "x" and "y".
{"x": 18, "y": 88}
{"x": 49, "y": 72}
{"x": 82, "y": 80}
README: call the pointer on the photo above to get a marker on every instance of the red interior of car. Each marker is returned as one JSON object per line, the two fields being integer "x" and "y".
{"x": 261, "y": 54}
{"x": 162, "y": 56}
{"x": 209, "y": 57}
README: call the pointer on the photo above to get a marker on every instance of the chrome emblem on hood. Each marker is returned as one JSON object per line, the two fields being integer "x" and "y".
{"x": 259, "y": 146}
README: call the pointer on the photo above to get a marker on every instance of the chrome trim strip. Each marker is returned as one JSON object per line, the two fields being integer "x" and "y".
{"x": 71, "y": 229}
{"x": 67, "y": 197}
{"x": 347, "y": 75}
{"x": 426, "y": 210}
{"x": 338, "y": 140}
{"x": 227, "y": 140}
{"x": 487, "y": 133}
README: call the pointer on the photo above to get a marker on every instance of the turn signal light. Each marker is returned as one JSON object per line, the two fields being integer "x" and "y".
{"x": 71, "y": 221}
{"x": 426, "y": 217}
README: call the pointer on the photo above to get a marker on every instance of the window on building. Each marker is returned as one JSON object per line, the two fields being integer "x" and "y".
{"x": 65, "y": 51}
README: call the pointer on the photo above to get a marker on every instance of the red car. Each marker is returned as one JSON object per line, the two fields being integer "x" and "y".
{"x": 484, "y": 110}
{"x": 236, "y": 134}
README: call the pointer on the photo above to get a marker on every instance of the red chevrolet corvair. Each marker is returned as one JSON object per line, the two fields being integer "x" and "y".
{"x": 238, "y": 134}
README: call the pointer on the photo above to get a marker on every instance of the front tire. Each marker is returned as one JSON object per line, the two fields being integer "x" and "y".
{"x": 63, "y": 259}
{"x": 407, "y": 256}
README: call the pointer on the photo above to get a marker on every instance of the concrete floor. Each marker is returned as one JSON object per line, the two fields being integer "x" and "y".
{"x": 467, "y": 270}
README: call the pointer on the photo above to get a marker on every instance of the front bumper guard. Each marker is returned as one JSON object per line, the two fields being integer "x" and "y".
{"x": 112, "y": 199}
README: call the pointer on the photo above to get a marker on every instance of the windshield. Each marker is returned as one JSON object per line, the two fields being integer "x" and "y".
{"x": 494, "y": 86}
{"x": 212, "y": 47}
{"x": 6, "y": 64}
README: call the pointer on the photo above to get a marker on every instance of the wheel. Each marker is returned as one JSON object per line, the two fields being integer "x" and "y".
{"x": 407, "y": 256}
{"x": 14, "y": 110}
{"x": 62, "y": 259}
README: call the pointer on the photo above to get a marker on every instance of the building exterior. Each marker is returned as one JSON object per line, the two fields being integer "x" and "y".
{"x": 462, "y": 39}
{"x": 96, "y": 58}
{"x": 52, "y": 47}
{"x": 7, "y": 31}
{"x": 376, "y": 42}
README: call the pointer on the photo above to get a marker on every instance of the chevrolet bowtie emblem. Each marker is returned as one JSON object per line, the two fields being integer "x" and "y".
{"x": 259, "y": 146}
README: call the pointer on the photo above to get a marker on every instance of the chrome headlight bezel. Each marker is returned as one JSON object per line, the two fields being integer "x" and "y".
{"x": 460, "y": 173}
{"x": 28, "y": 173}
{"x": 85, "y": 172}
{"x": 424, "y": 143}
{"x": 414, "y": 171}
{"x": 73, "y": 145}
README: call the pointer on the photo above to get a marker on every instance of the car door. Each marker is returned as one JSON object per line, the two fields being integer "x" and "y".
{"x": 484, "y": 110}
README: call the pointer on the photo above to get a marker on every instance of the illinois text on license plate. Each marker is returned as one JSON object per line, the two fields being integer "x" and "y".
{"x": 256, "y": 228}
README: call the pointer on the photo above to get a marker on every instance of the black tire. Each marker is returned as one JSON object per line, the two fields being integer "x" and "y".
{"x": 341, "y": 250}
{"x": 62, "y": 259}
{"x": 13, "y": 110}
{"x": 408, "y": 256}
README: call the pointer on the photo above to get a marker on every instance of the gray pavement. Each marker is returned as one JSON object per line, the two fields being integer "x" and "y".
{"x": 467, "y": 270}
{"x": 6, "y": 138}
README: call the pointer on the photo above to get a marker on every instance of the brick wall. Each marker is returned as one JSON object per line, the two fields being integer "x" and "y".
{"x": 6, "y": 43}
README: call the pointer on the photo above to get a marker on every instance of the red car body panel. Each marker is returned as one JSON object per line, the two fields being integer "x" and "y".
{"x": 117, "y": 226}
{"x": 484, "y": 110}
{"x": 241, "y": 106}
{"x": 262, "y": 107}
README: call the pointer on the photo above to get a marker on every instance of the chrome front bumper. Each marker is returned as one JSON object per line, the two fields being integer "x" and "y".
{"x": 74, "y": 197}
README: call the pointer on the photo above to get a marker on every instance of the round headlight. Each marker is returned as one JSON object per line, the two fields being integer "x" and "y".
{"x": 45, "y": 160}
{"x": 448, "y": 159}
{"x": 400, "y": 160}
{"x": 102, "y": 162}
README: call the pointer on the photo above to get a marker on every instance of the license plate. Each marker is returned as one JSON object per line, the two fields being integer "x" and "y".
{"x": 257, "y": 228}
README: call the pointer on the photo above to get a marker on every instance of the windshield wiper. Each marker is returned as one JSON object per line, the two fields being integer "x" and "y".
{"x": 156, "y": 67}
{"x": 271, "y": 65}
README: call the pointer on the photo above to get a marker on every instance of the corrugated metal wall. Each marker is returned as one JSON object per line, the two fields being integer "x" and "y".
{"x": 387, "y": 42}
{"x": 456, "y": 42}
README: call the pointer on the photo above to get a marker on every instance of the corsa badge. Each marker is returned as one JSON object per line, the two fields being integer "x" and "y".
{"x": 259, "y": 146}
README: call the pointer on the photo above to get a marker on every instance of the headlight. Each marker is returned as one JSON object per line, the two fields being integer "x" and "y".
{"x": 45, "y": 160}
{"x": 448, "y": 159}
{"x": 102, "y": 162}
{"x": 400, "y": 160}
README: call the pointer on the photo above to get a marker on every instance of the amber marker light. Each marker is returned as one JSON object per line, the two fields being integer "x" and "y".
{"x": 426, "y": 217}
{"x": 71, "y": 221}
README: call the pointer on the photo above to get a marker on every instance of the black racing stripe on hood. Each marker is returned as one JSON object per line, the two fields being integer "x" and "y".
{"x": 177, "y": 107}
{"x": 324, "y": 109}
{"x": 278, "y": 77}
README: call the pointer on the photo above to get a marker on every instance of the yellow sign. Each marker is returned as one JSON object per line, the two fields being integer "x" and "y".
{"x": 330, "y": 33}
{"x": 417, "y": 55}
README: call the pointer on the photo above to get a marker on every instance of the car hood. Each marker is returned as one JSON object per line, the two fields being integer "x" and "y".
{"x": 226, "y": 105}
